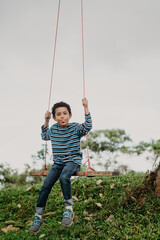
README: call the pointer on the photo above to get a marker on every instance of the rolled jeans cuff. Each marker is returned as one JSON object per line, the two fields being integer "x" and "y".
{"x": 39, "y": 210}
{"x": 68, "y": 202}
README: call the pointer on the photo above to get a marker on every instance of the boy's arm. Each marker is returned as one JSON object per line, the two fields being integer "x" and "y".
{"x": 45, "y": 129}
{"x": 87, "y": 125}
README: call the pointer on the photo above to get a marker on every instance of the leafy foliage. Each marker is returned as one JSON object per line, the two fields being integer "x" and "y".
{"x": 107, "y": 140}
{"x": 110, "y": 144}
{"x": 41, "y": 154}
{"x": 106, "y": 146}
{"x": 98, "y": 206}
{"x": 11, "y": 176}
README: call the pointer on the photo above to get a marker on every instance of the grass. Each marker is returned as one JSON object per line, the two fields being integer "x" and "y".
{"x": 102, "y": 209}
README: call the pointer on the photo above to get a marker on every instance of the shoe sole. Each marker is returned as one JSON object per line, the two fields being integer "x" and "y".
{"x": 63, "y": 225}
{"x": 37, "y": 231}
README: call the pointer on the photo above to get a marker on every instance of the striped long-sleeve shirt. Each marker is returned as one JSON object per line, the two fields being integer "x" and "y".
{"x": 66, "y": 141}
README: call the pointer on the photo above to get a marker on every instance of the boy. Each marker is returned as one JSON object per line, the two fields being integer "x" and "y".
{"x": 65, "y": 139}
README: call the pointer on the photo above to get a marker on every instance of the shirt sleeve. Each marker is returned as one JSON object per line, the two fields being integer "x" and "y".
{"x": 85, "y": 127}
{"x": 45, "y": 133}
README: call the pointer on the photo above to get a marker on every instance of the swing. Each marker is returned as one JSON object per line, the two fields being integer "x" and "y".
{"x": 87, "y": 173}
{"x": 81, "y": 174}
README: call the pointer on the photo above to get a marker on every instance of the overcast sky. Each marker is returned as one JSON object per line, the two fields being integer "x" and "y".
{"x": 122, "y": 58}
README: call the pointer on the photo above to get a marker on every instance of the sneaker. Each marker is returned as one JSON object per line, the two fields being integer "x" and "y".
{"x": 67, "y": 218}
{"x": 37, "y": 223}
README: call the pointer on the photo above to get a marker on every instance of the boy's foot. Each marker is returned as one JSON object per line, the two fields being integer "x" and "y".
{"x": 67, "y": 218}
{"x": 37, "y": 223}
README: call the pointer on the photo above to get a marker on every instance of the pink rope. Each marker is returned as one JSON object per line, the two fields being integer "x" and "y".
{"x": 88, "y": 160}
{"x": 51, "y": 82}
{"x": 54, "y": 54}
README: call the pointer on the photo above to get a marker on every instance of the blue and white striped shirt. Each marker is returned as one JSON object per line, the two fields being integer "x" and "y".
{"x": 66, "y": 141}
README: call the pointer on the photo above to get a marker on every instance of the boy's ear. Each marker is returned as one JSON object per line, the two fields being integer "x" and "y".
{"x": 70, "y": 115}
{"x": 54, "y": 118}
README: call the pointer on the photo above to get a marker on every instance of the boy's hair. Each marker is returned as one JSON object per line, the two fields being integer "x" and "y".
{"x": 60, "y": 104}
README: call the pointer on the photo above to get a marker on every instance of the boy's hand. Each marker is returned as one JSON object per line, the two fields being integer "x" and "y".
{"x": 47, "y": 118}
{"x": 85, "y": 105}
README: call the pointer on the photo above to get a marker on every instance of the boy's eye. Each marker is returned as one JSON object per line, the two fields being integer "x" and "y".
{"x": 64, "y": 113}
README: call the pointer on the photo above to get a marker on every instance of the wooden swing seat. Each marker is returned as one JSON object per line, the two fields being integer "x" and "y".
{"x": 81, "y": 174}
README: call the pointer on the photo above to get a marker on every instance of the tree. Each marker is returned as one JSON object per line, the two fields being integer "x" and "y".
{"x": 41, "y": 154}
{"x": 107, "y": 140}
{"x": 108, "y": 145}
{"x": 10, "y": 177}
{"x": 153, "y": 147}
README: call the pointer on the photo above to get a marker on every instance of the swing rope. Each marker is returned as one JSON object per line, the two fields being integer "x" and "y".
{"x": 88, "y": 160}
{"x": 51, "y": 82}
{"x": 54, "y": 54}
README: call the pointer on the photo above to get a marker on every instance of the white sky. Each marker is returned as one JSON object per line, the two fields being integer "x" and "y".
{"x": 122, "y": 58}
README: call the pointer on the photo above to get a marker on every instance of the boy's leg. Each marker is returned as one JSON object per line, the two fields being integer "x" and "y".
{"x": 50, "y": 180}
{"x": 69, "y": 169}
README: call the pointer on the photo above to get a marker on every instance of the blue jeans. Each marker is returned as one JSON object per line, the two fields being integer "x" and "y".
{"x": 63, "y": 172}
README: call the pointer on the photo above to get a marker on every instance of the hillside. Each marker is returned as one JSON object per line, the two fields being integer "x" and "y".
{"x": 104, "y": 209}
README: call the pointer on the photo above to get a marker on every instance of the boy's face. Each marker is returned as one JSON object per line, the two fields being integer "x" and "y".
{"x": 62, "y": 116}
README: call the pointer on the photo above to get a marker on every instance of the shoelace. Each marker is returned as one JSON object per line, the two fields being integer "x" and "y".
{"x": 36, "y": 221}
{"x": 67, "y": 213}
